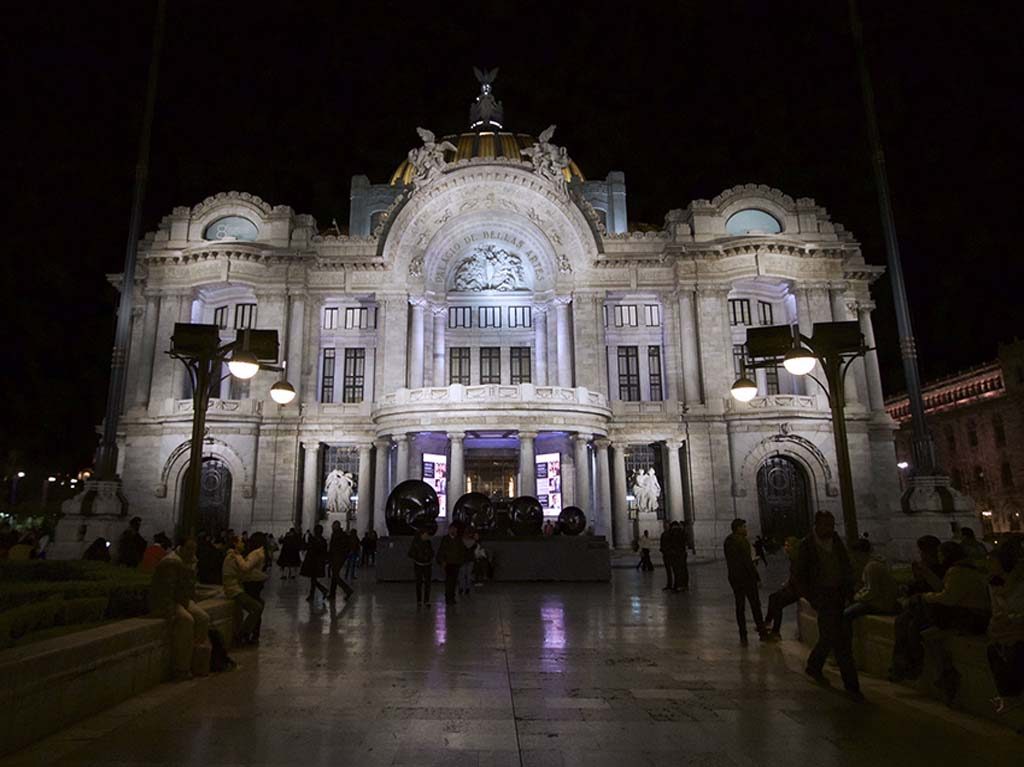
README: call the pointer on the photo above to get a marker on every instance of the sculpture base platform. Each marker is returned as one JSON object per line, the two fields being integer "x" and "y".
{"x": 930, "y": 506}
{"x": 100, "y": 509}
{"x": 558, "y": 558}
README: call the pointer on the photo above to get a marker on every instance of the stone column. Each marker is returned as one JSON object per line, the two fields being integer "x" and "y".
{"x": 540, "y": 344}
{"x": 440, "y": 325}
{"x": 296, "y": 343}
{"x": 147, "y": 351}
{"x": 854, "y": 381}
{"x": 675, "y": 481}
{"x": 401, "y": 458}
{"x": 715, "y": 346}
{"x": 363, "y": 503}
{"x": 456, "y": 470}
{"x": 164, "y": 367}
{"x": 310, "y": 485}
{"x": 688, "y": 345}
{"x": 568, "y": 480}
{"x": 588, "y": 347}
{"x": 308, "y": 382}
{"x": 603, "y": 507}
{"x": 875, "y": 397}
{"x": 392, "y": 342}
{"x": 621, "y": 532}
{"x": 563, "y": 341}
{"x": 582, "y": 460}
{"x": 416, "y": 344}
{"x": 271, "y": 315}
{"x": 527, "y": 464}
{"x": 805, "y": 323}
{"x": 380, "y": 483}
{"x": 670, "y": 354}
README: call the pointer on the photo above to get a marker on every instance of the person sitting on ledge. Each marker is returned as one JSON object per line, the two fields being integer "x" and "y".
{"x": 154, "y": 552}
{"x": 1006, "y": 629}
{"x": 975, "y": 549}
{"x": 172, "y": 596}
{"x": 928, "y": 569}
{"x": 962, "y": 605}
{"x": 787, "y": 595}
{"x": 877, "y": 594}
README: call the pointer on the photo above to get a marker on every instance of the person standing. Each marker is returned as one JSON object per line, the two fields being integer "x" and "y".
{"x": 644, "y": 545}
{"x": 469, "y": 541}
{"x": 313, "y": 564}
{"x": 337, "y": 555}
{"x": 421, "y": 552}
{"x": 676, "y": 557}
{"x": 352, "y": 561}
{"x": 665, "y": 544}
{"x": 744, "y": 579}
{"x": 825, "y": 578}
{"x": 131, "y": 545}
{"x": 787, "y": 595}
{"x": 234, "y": 570}
{"x": 371, "y": 548}
{"x": 290, "y": 558}
{"x": 450, "y": 555}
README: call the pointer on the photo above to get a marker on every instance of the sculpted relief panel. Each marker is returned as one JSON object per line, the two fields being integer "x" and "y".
{"x": 490, "y": 268}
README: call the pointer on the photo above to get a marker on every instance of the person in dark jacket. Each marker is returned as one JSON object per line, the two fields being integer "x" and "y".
{"x": 673, "y": 552}
{"x": 421, "y": 552}
{"x": 290, "y": 558}
{"x": 744, "y": 579}
{"x": 824, "y": 576}
{"x": 337, "y": 553}
{"x": 451, "y": 554}
{"x": 131, "y": 545}
{"x": 313, "y": 564}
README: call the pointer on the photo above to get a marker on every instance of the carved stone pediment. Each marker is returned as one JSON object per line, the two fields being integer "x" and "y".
{"x": 490, "y": 268}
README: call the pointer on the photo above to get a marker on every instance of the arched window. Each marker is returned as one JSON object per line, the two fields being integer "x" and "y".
{"x": 231, "y": 227}
{"x": 752, "y": 221}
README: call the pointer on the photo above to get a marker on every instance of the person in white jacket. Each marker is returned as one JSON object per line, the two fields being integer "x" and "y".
{"x": 234, "y": 571}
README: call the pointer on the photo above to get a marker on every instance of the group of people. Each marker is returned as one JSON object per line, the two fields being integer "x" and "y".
{"x": 460, "y": 554}
{"x": 28, "y": 543}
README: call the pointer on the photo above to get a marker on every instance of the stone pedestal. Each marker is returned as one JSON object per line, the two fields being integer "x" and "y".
{"x": 99, "y": 510}
{"x": 929, "y": 506}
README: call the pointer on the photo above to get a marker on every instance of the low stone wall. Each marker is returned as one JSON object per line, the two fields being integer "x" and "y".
{"x": 48, "y": 685}
{"x": 873, "y": 639}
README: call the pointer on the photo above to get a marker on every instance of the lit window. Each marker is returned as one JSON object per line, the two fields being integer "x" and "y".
{"x": 231, "y": 228}
{"x": 652, "y": 315}
{"x": 739, "y": 311}
{"x": 519, "y": 364}
{"x": 654, "y": 372}
{"x": 490, "y": 316}
{"x": 765, "y": 313}
{"x": 355, "y": 375}
{"x": 356, "y": 317}
{"x": 327, "y": 377}
{"x": 245, "y": 316}
{"x": 490, "y": 365}
{"x": 520, "y": 317}
{"x": 459, "y": 365}
{"x": 771, "y": 380}
{"x": 220, "y": 317}
{"x": 629, "y": 373}
{"x": 331, "y": 318}
{"x": 739, "y": 360}
{"x": 460, "y": 316}
{"x": 752, "y": 221}
{"x": 625, "y": 316}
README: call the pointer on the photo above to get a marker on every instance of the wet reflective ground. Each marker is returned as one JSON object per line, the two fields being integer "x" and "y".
{"x": 522, "y": 674}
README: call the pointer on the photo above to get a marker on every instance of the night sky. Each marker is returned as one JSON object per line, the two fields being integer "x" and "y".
{"x": 289, "y": 100}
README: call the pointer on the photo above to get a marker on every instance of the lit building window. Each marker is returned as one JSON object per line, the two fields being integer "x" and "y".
{"x": 327, "y": 376}
{"x": 354, "y": 375}
{"x": 739, "y": 311}
{"x": 356, "y": 317}
{"x": 654, "y": 372}
{"x": 519, "y": 365}
{"x": 629, "y": 373}
{"x": 245, "y": 316}
{"x": 771, "y": 380}
{"x": 490, "y": 365}
{"x": 331, "y": 318}
{"x": 490, "y": 316}
{"x": 739, "y": 360}
{"x": 459, "y": 365}
{"x": 765, "y": 313}
{"x": 652, "y": 315}
{"x": 220, "y": 317}
{"x": 520, "y": 317}
{"x": 460, "y": 316}
{"x": 752, "y": 221}
{"x": 625, "y": 316}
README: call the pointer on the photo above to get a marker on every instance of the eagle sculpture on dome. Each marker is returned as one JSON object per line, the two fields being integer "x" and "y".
{"x": 428, "y": 160}
{"x": 549, "y": 160}
{"x": 486, "y": 113}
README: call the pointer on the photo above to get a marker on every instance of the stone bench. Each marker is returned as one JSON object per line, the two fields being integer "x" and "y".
{"x": 48, "y": 685}
{"x": 873, "y": 640}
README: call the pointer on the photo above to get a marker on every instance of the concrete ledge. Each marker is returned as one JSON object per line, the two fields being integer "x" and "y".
{"x": 48, "y": 685}
{"x": 873, "y": 640}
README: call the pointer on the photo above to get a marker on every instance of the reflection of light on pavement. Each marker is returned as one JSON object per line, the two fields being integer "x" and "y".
{"x": 553, "y": 617}
{"x": 440, "y": 627}
{"x": 634, "y": 605}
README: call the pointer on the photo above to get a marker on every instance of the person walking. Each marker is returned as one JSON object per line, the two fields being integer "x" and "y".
{"x": 665, "y": 544}
{"x": 825, "y": 578}
{"x": 290, "y": 558}
{"x": 744, "y": 579}
{"x": 313, "y": 564}
{"x": 421, "y": 552}
{"x": 469, "y": 541}
{"x": 643, "y": 544}
{"x": 352, "y": 562}
{"x": 450, "y": 555}
{"x": 337, "y": 555}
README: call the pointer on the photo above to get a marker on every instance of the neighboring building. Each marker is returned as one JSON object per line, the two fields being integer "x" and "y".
{"x": 977, "y": 423}
{"x": 493, "y": 323}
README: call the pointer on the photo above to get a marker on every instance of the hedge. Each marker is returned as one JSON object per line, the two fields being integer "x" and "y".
{"x": 125, "y": 591}
{"x": 36, "y": 570}
{"x": 17, "y": 622}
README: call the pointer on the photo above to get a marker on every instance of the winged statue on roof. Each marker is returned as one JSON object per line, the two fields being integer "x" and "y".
{"x": 428, "y": 160}
{"x": 549, "y": 160}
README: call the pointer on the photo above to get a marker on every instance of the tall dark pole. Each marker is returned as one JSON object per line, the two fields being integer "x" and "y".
{"x": 923, "y": 447}
{"x": 106, "y": 455}
{"x": 834, "y": 374}
{"x": 203, "y": 370}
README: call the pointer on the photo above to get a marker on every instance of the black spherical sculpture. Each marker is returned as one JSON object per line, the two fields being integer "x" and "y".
{"x": 527, "y": 515}
{"x": 572, "y": 521}
{"x": 474, "y": 510}
{"x": 411, "y": 507}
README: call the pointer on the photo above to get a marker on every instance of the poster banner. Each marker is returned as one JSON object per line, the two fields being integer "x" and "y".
{"x": 549, "y": 483}
{"x": 435, "y": 474}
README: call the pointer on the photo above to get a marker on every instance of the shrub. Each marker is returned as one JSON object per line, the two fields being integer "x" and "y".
{"x": 18, "y": 622}
{"x": 36, "y": 570}
{"x": 126, "y": 597}
{"x": 87, "y": 610}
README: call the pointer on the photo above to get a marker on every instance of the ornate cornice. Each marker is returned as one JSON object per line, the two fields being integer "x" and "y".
{"x": 224, "y": 198}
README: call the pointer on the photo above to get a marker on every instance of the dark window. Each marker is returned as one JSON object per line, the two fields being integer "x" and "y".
{"x": 739, "y": 311}
{"x": 220, "y": 317}
{"x": 1006, "y": 476}
{"x": 629, "y": 373}
{"x": 998, "y": 430}
{"x": 519, "y": 364}
{"x": 490, "y": 364}
{"x": 957, "y": 478}
{"x": 245, "y": 316}
{"x": 978, "y": 479}
{"x": 771, "y": 380}
{"x": 460, "y": 316}
{"x": 764, "y": 313}
{"x": 972, "y": 434}
{"x": 327, "y": 380}
{"x": 458, "y": 365}
{"x": 654, "y": 372}
{"x": 739, "y": 359}
{"x": 950, "y": 437}
{"x": 355, "y": 375}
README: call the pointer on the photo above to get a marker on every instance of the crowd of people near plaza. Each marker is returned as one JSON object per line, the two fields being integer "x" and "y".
{"x": 20, "y": 545}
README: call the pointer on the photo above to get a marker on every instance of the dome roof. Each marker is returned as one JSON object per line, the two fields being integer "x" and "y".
{"x": 484, "y": 145}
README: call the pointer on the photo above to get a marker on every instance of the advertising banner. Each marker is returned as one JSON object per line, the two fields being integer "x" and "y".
{"x": 549, "y": 483}
{"x": 435, "y": 474}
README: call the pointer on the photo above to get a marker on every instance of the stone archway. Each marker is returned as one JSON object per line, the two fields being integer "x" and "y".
{"x": 783, "y": 499}
{"x": 215, "y": 485}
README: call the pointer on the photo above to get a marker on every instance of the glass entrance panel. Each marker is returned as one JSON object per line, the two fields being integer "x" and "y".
{"x": 494, "y": 473}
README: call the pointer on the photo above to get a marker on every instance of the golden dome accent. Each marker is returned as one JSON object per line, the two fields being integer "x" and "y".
{"x": 483, "y": 145}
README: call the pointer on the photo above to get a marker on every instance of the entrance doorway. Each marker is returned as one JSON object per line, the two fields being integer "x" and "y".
{"x": 492, "y": 472}
{"x": 783, "y": 499}
{"x": 214, "y": 496}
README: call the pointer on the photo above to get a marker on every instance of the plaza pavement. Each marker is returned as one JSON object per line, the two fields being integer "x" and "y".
{"x": 540, "y": 675}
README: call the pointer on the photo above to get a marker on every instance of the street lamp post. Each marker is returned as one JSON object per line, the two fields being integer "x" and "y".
{"x": 200, "y": 349}
{"x": 832, "y": 345}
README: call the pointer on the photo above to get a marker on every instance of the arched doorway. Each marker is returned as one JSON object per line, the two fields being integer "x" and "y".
{"x": 214, "y": 496}
{"x": 783, "y": 499}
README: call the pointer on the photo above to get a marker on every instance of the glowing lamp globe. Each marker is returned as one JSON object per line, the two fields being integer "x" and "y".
{"x": 243, "y": 365}
{"x": 744, "y": 390}
{"x": 799, "y": 362}
{"x": 282, "y": 392}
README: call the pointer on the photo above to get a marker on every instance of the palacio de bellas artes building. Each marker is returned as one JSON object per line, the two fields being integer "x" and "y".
{"x": 493, "y": 322}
